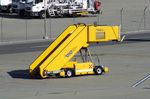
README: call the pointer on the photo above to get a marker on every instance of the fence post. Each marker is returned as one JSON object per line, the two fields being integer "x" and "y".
{"x": 121, "y": 19}
{"x": 98, "y": 17}
{"x": 73, "y": 19}
{"x": 143, "y": 20}
{"x": 1, "y": 28}
{"x": 26, "y": 23}
{"x": 45, "y": 25}
{"x": 50, "y": 25}
{"x": 45, "y": 34}
{"x": 145, "y": 17}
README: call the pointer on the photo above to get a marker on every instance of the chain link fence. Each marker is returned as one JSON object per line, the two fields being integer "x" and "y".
{"x": 16, "y": 29}
{"x": 135, "y": 20}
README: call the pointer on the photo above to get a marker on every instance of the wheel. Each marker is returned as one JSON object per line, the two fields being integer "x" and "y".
{"x": 98, "y": 70}
{"x": 42, "y": 14}
{"x": 68, "y": 73}
{"x": 22, "y": 13}
{"x": 10, "y": 10}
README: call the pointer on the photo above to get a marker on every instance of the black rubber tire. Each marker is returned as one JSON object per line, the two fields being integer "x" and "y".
{"x": 10, "y": 10}
{"x": 42, "y": 14}
{"x": 98, "y": 70}
{"x": 69, "y": 73}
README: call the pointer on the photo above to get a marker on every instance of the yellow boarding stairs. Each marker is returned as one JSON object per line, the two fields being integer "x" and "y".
{"x": 55, "y": 60}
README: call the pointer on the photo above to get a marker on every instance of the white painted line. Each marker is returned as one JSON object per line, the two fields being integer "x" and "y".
{"x": 141, "y": 81}
{"x": 123, "y": 37}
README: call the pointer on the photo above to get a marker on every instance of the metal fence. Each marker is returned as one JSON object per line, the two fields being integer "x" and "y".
{"x": 135, "y": 20}
{"x": 17, "y": 29}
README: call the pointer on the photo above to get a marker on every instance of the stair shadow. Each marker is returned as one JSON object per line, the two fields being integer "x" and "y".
{"x": 20, "y": 74}
{"x": 24, "y": 74}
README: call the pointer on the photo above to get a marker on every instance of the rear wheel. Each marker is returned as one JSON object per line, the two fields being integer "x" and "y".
{"x": 10, "y": 10}
{"x": 98, "y": 70}
{"x": 68, "y": 73}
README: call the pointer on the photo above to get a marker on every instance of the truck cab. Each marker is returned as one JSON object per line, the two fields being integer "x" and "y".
{"x": 35, "y": 7}
{"x": 6, "y": 5}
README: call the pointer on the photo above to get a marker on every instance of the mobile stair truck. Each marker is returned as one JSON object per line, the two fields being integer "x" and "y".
{"x": 56, "y": 59}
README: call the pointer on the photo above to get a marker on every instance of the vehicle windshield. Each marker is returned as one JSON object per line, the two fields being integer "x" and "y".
{"x": 19, "y": 0}
{"x": 33, "y": 1}
{"x": 38, "y": 1}
{"x": 15, "y": 0}
{"x": 29, "y": 1}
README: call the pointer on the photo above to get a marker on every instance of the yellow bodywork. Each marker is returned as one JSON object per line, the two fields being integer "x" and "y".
{"x": 82, "y": 13}
{"x": 61, "y": 51}
{"x": 84, "y": 68}
{"x": 103, "y": 33}
{"x": 80, "y": 68}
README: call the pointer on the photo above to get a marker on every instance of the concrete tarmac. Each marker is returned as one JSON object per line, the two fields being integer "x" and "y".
{"x": 128, "y": 63}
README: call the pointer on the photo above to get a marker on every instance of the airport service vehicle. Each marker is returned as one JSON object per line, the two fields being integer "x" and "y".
{"x": 55, "y": 8}
{"x": 6, "y": 5}
{"x": 57, "y": 58}
{"x": 18, "y": 6}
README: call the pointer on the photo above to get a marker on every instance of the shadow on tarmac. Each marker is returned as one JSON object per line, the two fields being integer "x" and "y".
{"x": 22, "y": 74}
{"x": 138, "y": 40}
{"x": 15, "y": 16}
{"x": 11, "y": 16}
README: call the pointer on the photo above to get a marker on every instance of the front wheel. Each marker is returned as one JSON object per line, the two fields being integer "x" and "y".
{"x": 10, "y": 10}
{"x": 98, "y": 70}
{"x": 68, "y": 73}
{"x": 42, "y": 14}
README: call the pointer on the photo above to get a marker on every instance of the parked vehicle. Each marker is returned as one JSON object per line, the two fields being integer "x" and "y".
{"x": 6, "y": 5}
{"x": 53, "y": 8}
{"x": 57, "y": 59}
{"x": 18, "y": 6}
